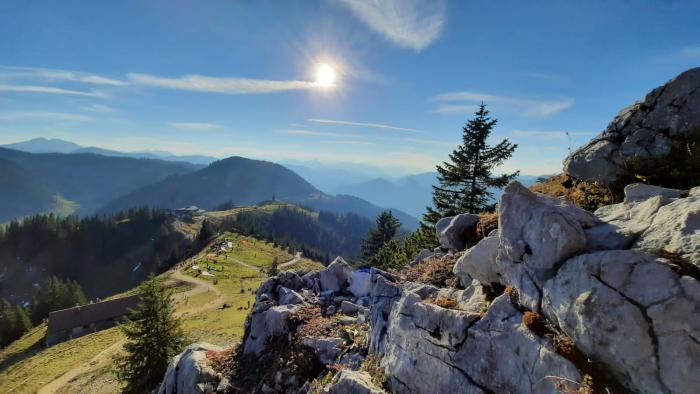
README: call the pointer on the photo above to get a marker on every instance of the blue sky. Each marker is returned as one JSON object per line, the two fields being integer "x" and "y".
{"x": 229, "y": 78}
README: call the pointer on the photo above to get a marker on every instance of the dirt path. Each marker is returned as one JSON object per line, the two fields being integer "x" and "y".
{"x": 200, "y": 287}
{"x": 295, "y": 260}
{"x": 254, "y": 268}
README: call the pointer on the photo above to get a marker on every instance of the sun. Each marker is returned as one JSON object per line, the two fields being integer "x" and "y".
{"x": 325, "y": 75}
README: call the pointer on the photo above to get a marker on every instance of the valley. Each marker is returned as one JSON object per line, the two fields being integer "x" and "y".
{"x": 84, "y": 364}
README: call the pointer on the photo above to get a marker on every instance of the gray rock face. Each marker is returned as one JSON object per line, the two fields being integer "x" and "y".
{"x": 675, "y": 228}
{"x": 335, "y": 276}
{"x": 327, "y": 349}
{"x": 266, "y": 324}
{"x": 353, "y": 382}
{"x": 422, "y": 255}
{"x": 360, "y": 283}
{"x": 453, "y": 232}
{"x": 637, "y": 192}
{"x": 189, "y": 372}
{"x": 536, "y": 234}
{"x": 479, "y": 262}
{"x": 629, "y": 310}
{"x": 430, "y": 349}
{"x": 644, "y": 130}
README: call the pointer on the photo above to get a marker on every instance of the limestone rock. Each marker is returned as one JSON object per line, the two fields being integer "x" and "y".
{"x": 675, "y": 228}
{"x": 536, "y": 234}
{"x": 630, "y": 311}
{"x": 327, "y": 349}
{"x": 335, "y": 276}
{"x": 360, "y": 283}
{"x": 353, "y": 382}
{"x": 479, "y": 262}
{"x": 636, "y": 192}
{"x": 422, "y": 255}
{"x": 189, "y": 372}
{"x": 288, "y": 296}
{"x": 454, "y": 232}
{"x": 645, "y": 130}
{"x": 459, "y": 351}
{"x": 266, "y": 324}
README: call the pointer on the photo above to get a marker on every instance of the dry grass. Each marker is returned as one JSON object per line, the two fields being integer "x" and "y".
{"x": 372, "y": 366}
{"x": 436, "y": 271}
{"x": 536, "y": 323}
{"x": 587, "y": 195}
{"x": 488, "y": 221}
{"x": 443, "y": 302}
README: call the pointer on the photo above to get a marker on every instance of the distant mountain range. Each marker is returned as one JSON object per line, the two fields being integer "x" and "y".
{"x": 411, "y": 194}
{"x": 95, "y": 180}
{"x": 30, "y": 183}
{"x": 45, "y": 145}
{"x": 245, "y": 182}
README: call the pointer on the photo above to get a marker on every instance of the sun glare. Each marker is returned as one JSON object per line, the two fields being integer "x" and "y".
{"x": 325, "y": 75}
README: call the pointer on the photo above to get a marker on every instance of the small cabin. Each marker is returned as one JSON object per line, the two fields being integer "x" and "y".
{"x": 75, "y": 322}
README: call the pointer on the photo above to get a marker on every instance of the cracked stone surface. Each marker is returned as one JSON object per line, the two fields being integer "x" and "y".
{"x": 537, "y": 233}
{"x": 433, "y": 349}
{"x": 644, "y": 130}
{"x": 630, "y": 310}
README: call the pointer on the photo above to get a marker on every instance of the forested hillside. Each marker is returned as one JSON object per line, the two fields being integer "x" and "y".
{"x": 244, "y": 182}
{"x": 88, "y": 180}
{"x": 105, "y": 255}
{"x": 319, "y": 236}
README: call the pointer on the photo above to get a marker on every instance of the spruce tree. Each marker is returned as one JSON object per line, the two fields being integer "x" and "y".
{"x": 381, "y": 234}
{"x": 465, "y": 180}
{"x": 153, "y": 336}
{"x": 274, "y": 267}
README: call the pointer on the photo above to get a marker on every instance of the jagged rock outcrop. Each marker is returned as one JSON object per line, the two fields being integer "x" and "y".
{"x": 644, "y": 131}
{"x": 630, "y": 310}
{"x": 353, "y": 382}
{"x": 454, "y": 232}
{"x": 190, "y": 372}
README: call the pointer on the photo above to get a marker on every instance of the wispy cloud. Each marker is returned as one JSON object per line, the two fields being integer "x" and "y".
{"x": 348, "y": 142}
{"x": 194, "y": 125}
{"x": 446, "y": 109}
{"x": 550, "y": 134}
{"x": 18, "y": 115}
{"x": 364, "y": 124}
{"x": 412, "y": 24}
{"x": 692, "y": 52}
{"x": 46, "y": 74}
{"x": 98, "y": 108}
{"x": 201, "y": 83}
{"x": 48, "y": 90}
{"x": 530, "y": 107}
{"x": 312, "y": 133}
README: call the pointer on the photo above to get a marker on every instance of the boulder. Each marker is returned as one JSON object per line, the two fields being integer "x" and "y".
{"x": 327, "y": 349}
{"x": 189, "y": 372}
{"x": 454, "y": 232}
{"x": 383, "y": 297}
{"x": 537, "y": 233}
{"x": 266, "y": 324}
{"x": 462, "y": 352}
{"x": 479, "y": 262}
{"x": 348, "y": 308}
{"x": 622, "y": 223}
{"x": 335, "y": 276}
{"x": 360, "y": 283}
{"x": 353, "y": 382}
{"x": 637, "y": 192}
{"x": 675, "y": 228}
{"x": 645, "y": 130}
{"x": 288, "y": 296}
{"x": 630, "y": 311}
{"x": 422, "y": 255}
